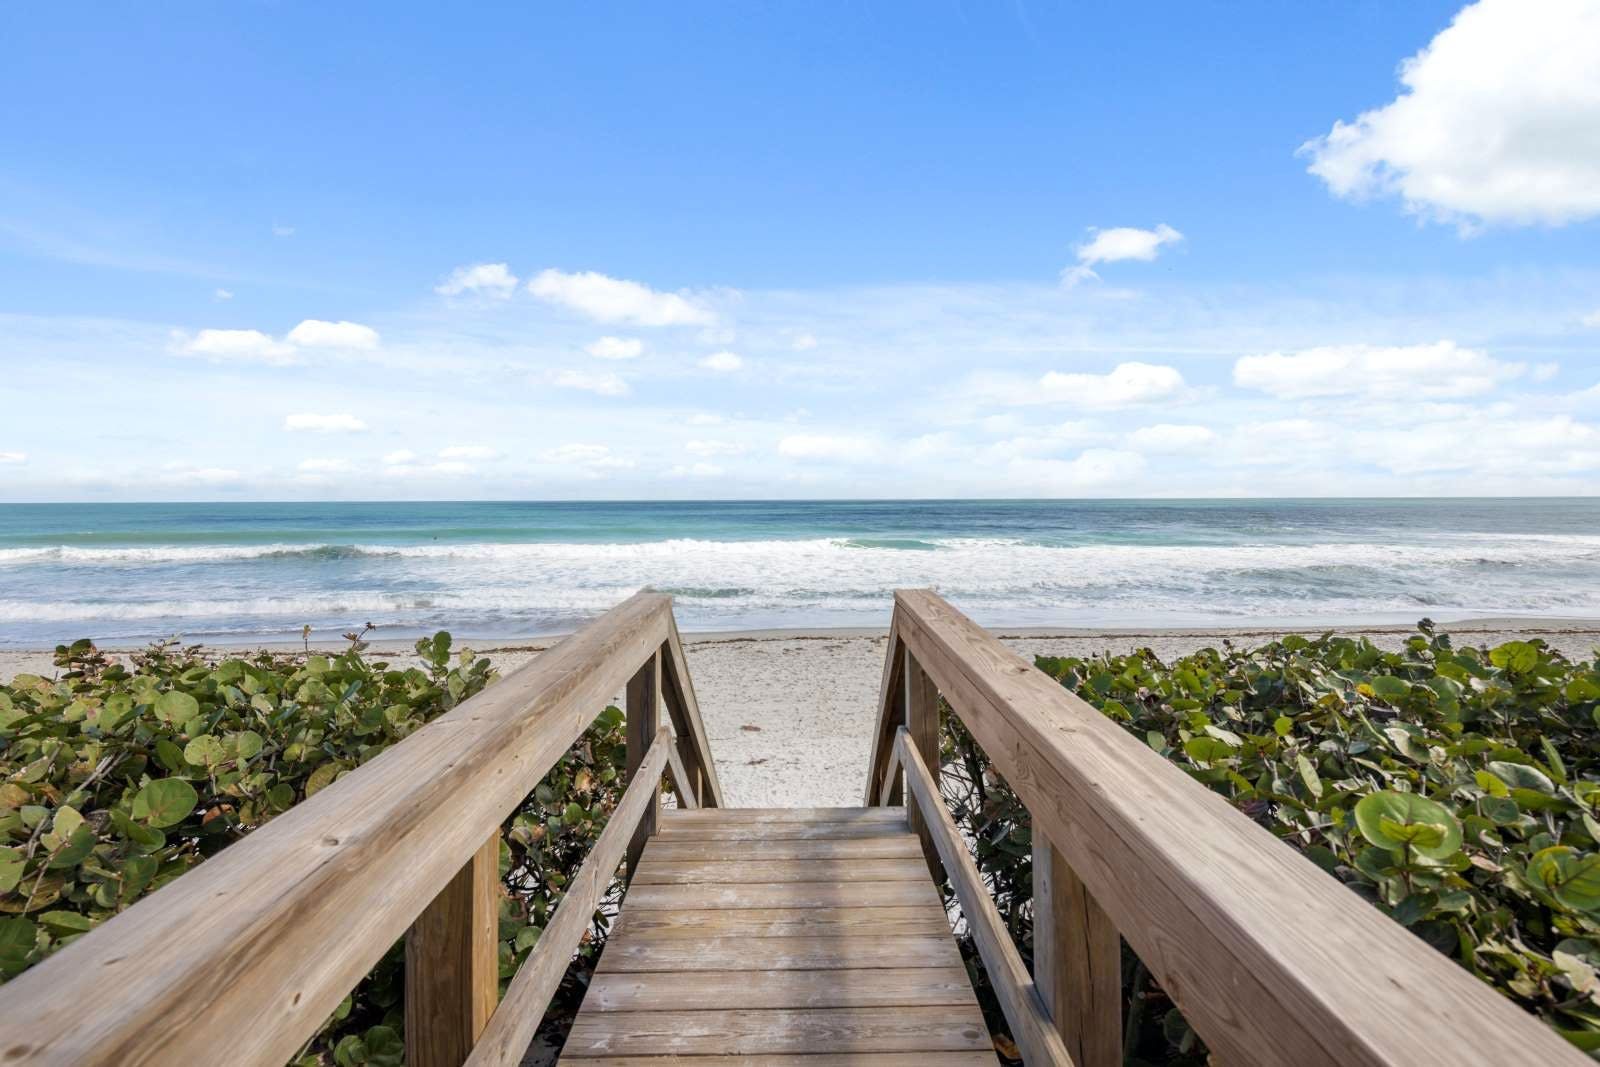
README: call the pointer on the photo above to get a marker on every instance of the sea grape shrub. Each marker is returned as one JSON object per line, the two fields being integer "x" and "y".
{"x": 1454, "y": 788}
{"x": 115, "y": 779}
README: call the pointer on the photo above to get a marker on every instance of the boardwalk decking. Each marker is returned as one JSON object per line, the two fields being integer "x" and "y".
{"x": 776, "y": 933}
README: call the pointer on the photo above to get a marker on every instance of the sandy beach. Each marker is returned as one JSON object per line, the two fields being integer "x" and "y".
{"x": 789, "y": 713}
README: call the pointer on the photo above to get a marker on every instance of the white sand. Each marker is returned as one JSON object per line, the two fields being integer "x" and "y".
{"x": 789, "y": 716}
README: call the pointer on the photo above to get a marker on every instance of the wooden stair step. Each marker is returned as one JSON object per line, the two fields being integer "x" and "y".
{"x": 642, "y": 953}
{"x": 744, "y": 1032}
{"x": 882, "y": 987}
{"x": 701, "y": 924}
{"x": 655, "y": 871}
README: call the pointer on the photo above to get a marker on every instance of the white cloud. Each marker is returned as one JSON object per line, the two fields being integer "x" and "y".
{"x": 705, "y": 418}
{"x": 1167, "y": 437}
{"x": 607, "y": 299}
{"x": 1442, "y": 370}
{"x": 443, "y": 468}
{"x": 804, "y": 342}
{"x": 607, "y": 384}
{"x": 402, "y": 455}
{"x": 315, "y": 333}
{"x": 826, "y": 447}
{"x": 1126, "y": 385}
{"x": 469, "y": 452}
{"x": 723, "y": 362}
{"x": 1117, "y": 244}
{"x": 1592, "y": 319}
{"x": 615, "y": 348}
{"x": 239, "y": 345}
{"x": 1496, "y": 123}
{"x": 312, "y": 423}
{"x": 585, "y": 457}
{"x": 1093, "y": 468}
{"x": 713, "y": 448}
{"x": 490, "y": 279}
{"x": 13, "y": 457}
{"x": 323, "y": 466}
{"x": 222, "y": 294}
{"x": 280, "y": 230}
{"x": 695, "y": 470}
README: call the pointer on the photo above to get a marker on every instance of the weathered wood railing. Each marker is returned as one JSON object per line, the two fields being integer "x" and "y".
{"x": 242, "y": 959}
{"x": 1272, "y": 961}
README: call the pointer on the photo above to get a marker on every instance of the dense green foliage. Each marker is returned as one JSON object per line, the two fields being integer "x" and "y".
{"x": 1454, "y": 788}
{"x": 116, "y": 779}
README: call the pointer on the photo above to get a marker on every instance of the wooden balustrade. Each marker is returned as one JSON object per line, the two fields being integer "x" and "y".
{"x": 1270, "y": 960}
{"x": 242, "y": 959}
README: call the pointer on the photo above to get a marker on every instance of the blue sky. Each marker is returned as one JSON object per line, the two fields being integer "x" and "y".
{"x": 294, "y": 251}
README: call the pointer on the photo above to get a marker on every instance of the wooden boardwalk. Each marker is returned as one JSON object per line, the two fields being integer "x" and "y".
{"x": 778, "y": 932}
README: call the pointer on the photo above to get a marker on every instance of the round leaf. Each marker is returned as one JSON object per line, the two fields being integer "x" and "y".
{"x": 165, "y": 802}
{"x": 1395, "y": 820}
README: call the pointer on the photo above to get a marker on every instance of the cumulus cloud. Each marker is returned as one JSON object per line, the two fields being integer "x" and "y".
{"x": 1592, "y": 319}
{"x": 245, "y": 346}
{"x": 222, "y": 294}
{"x": 1126, "y": 385}
{"x": 1495, "y": 124}
{"x": 400, "y": 455}
{"x": 607, "y": 384}
{"x": 13, "y": 457}
{"x": 587, "y": 459}
{"x": 313, "y": 423}
{"x": 695, "y": 470}
{"x": 615, "y": 348}
{"x": 182, "y": 474}
{"x": 722, "y": 362}
{"x": 1091, "y": 469}
{"x": 315, "y": 333}
{"x": 488, "y": 279}
{"x": 1116, "y": 244}
{"x": 323, "y": 466}
{"x": 1167, "y": 437}
{"x": 607, "y": 299}
{"x": 1442, "y": 370}
{"x": 803, "y": 342}
{"x": 842, "y": 448}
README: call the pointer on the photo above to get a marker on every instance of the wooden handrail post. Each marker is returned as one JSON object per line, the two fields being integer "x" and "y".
{"x": 1077, "y": 961}
{"x": 644, "y": 719}
{"x": 452, "y": 964}
{"x": 922, "y": 723}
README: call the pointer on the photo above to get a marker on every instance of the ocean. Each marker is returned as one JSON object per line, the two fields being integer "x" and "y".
{"x": 235, "y": 573}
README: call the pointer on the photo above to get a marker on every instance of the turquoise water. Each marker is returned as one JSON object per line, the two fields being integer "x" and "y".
{"x": 245, "y": 572}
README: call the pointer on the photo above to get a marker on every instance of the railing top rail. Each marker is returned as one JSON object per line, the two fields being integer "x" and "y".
{"x": 1270, "y": 959}
{"x": 253, "y": 949}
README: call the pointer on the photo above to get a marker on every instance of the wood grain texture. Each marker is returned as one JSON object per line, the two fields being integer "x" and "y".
{"x": 922, "y": 724}
{"x": 783, "y": 922}
{"x": 784, "y": 895}
{"x": 1031, "y": 1027}
{"x": 779, "y": 831}
{"x": 252, "y": 950}
{"x": 883, "y": 846}
{"x": 644, "y": 953}
{"x": 765, "y": 1031}
{"x": 514, "y": 1023}
{"x": 734, "y": 817}
{"x": 837, "y": 1059}
{"x": 1077, "y": 961}
{"x": 452, "y": 966}
{"x": 1271, "y": 960}
{"x": 890, "y": 716}
{"x": 729, "y": 872}
{"x": 712, "y": 990}
{"x": 643, "y": 702}
{"x": 684, "y": 786}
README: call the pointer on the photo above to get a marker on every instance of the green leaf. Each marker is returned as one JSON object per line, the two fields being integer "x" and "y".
{"x": 1308, "y": 774}
{"x": 205, "y": 751}
{"x": 1521, "y": 776}
{"x": 1571, "y": 877}
{"x": 1396, "y": 820}
{"x": 1207, "y": 749}
{"x": 175, "y": 706}
{"x": 1390, "y": 688}
{"x": 11, "y": 864}
{"x": 165, "y": 802}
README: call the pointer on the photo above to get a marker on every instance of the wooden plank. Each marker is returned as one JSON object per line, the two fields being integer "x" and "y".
{"x": 1077, "y": 961}
{"x": 252, "y": 950}
{"x": 890, "y": 715}
{"x": 777, "y": 831}
{"x": 644, "y": 719}
{"x": 880, "y": 817}
{"x": 1270, "y": 959}
{"x": 514, "y": 1023}
{"x": 785, "y": 895}
{"x": 452, "y": 968}
{"x": 839, "y": 1059}
{"x": 643, "y": 953}
{"x": 886, "y": 846}
{"x": 1031, "y": 1027}
{"x": 768, "y": 1031}
{"x": 782, "y": 922}
{"x": 684, "y": 787}
{"x": 733, "y": 872}
{"x": 711, "y": 990}
{"x": 922, "y": 722}
{"x": 684, "y": 711}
